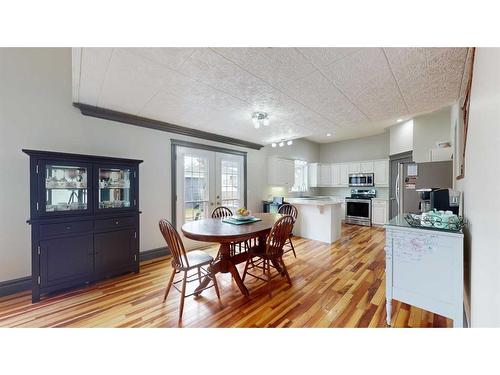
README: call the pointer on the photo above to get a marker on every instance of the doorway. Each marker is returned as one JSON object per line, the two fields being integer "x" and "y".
{"x": 395, "y": 160}
{"x": 205, "y": 177}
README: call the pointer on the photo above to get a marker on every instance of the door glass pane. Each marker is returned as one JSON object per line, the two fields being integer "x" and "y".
{"x": 66, "y": 188}
{"x": 196, "y": 188}
{"x": 230, "y": 184}
{"x": 114, "y": 187}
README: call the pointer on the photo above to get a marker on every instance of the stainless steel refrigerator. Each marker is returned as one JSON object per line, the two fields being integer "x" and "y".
{"x": 414, "y": 176}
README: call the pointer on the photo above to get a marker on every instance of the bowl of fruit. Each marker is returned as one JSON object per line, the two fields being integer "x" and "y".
{"x": 242, "y": 214}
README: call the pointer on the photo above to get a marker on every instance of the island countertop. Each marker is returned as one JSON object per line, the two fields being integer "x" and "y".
{"x": 327, "y": 201}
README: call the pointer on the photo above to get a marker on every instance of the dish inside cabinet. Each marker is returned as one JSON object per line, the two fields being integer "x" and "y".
{"x": 65, "y": 187}
{"x": 114, "y": 188}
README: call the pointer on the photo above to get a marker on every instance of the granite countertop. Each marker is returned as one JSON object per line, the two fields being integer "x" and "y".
{"x": 321, "y": 201}
{"x": 399, "y": 221}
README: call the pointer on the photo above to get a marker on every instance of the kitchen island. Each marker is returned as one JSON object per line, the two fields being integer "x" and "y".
{"x": 424, "y": 268}
{"x": 319, "y": 218}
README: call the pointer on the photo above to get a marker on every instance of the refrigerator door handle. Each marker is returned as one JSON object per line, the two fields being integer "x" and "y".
{"x": 396, "y": 188}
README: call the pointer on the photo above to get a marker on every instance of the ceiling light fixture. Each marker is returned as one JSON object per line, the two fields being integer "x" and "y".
{"x": 328, "y": 134}
{"x": 290, "y": 142}
{"x": 260, "y": 119}
{"x": 281, "y": 144}
{"x": 399, "y": 120}
{"x": 273, "y": 144}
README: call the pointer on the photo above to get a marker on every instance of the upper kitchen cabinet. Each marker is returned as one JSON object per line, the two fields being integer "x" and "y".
{"x": 281, "y": 172}
{"x": 325, "y": 175}
{"x": 321, "y": 175}
{"x": 366, "y": 166}
{"x": 381, "y": 172}
{"x": 354, "y": 167}
{"x": 344, "y": 175}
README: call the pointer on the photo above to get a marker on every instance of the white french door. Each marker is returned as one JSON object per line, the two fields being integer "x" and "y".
{"x": 205, "y": 180}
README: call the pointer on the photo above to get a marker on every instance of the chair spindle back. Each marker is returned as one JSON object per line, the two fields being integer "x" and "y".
{"x": 279, "y": 235}
{"x": 175, "y": 245}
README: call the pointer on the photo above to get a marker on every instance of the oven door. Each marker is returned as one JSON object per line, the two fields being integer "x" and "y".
{"x": 358, "y": 211}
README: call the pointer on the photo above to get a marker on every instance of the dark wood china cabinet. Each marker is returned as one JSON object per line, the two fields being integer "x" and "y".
{"x": 84, "y": 219}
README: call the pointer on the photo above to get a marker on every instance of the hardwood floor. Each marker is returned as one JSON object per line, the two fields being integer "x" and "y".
{"x": 339, "y": 285}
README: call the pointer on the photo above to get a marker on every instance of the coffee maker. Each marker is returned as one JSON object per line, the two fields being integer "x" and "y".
{"x": 425, "y": 199}
{"x": 445, "y": 200}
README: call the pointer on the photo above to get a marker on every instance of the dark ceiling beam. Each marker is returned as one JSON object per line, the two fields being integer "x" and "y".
{"x": 126, "y": 118}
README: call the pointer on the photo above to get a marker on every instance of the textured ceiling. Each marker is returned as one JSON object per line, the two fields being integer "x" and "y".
{"x": 308, "y": 92}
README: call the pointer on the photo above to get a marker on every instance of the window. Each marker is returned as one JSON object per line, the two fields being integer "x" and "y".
{"x": 300, "y": 180}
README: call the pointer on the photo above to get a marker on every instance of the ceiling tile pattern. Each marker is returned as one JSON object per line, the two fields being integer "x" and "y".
{"x": 427, "y": 75}
{"x": 307, "y": 92}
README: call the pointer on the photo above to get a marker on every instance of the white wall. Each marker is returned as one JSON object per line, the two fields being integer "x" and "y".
{"x": 401, "y": 138}
{"x": 366, "y": 148}
{"x": 429, "y": 129}
{"x": 36, "y": 112}
{"x": 480, "y": 189}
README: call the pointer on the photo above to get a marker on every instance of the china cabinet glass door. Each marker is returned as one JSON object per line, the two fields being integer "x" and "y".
{"x": 115, "y": 188}
{"x": 64, "y": 187}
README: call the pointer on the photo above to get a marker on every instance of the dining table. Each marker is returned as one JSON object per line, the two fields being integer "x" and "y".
{"x": 218, "y": 231}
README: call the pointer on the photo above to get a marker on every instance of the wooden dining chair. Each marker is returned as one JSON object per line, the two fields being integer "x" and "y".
{"x": 220, "y": 213}
{"x": 271, "y": 255}
{"x": 288, "y": 209}
{"x": 183, "y": 262}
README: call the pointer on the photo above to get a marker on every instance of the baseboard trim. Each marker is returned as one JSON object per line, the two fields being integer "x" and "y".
{"x": 153, "y": 253}
{"x": 15, "y": 286}
{"x": 22, "y": 284}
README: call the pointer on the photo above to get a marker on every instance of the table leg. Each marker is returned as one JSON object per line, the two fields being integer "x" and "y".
{"x": 224, "y": 265}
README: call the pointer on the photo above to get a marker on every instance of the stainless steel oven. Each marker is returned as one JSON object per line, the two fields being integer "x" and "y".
{"x": 358, "y": 211}
{"x": 358, "y": 207}
{"x": 361, "y": 179}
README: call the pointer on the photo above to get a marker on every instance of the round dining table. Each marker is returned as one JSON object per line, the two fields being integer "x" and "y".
{"x": 215, "y": 230}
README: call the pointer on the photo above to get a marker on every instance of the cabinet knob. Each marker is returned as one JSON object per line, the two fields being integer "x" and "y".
{"x": 117, "y": 222}
{"x": 68, "y": 227}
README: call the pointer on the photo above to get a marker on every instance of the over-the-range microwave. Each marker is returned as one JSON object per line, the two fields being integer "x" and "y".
{"x": 361, "y": 179}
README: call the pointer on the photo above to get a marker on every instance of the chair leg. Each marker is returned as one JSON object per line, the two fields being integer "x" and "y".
{"x": 172, "y": 275}
{"x": 199, "y": 275}
{"x": 183, "y": 295}
{"x": 269, "y": 279}
{"x": 291, "y": 245}
{"x": 286, "y": 271}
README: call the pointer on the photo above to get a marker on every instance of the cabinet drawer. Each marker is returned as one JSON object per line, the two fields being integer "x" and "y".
{"x": 49, "y": 230}
{"x": 118, "y": 222}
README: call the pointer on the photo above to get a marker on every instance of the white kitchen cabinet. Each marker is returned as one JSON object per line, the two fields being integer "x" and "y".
{"x": 344, "y": 175}
{"x": 281, "y": 172}
{"x": 366, "y": 166}
{"x": 320, "y": 175}
{"x": 424, "y": 268}
{"x": 313, "y": 174}
{"x": 325, "y": 175}
{"x": 336, "y": 175}
{"x": 380, "y": 211}
{"x": 354, "y": 167}
{"x": 381, "y": 172}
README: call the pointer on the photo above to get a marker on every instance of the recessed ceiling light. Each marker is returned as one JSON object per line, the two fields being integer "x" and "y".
{"x": 273, "y": 144}
{"x": 281, "y": 144}
{"x": 399, "y": 120}
{"x": 328, "y": 134}
{"x": 289, "y": 143}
